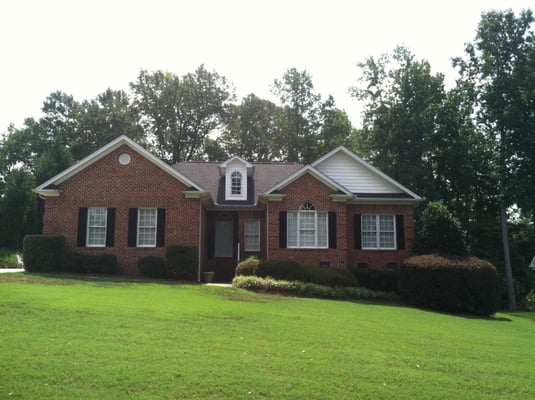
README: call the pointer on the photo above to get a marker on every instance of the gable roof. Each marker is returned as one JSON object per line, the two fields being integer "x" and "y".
{"x": 360, "y": 177}
{"x": 51, "y": 188}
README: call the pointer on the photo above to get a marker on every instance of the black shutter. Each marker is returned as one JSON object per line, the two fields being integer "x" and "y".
{"x": 283, "y": 234}
{"x": 332, "y": 230}
{"x": 110, "y": 227}
{"x": 132, "y": 227}
{"x": 82, "y": 227}
{"x": 400, "y": 232}
{"x": 160, "y": 228}
{"x": 358, "y": 232}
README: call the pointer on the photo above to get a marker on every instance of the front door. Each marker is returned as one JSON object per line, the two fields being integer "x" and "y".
{"x": 222, "y": 245}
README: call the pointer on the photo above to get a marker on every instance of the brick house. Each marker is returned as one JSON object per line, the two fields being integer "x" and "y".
{"x": 338, "y": 212}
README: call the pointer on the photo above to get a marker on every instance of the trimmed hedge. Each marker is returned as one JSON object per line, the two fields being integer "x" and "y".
{"x": 385, "y": 280}
{"x": 307, "y": 289}
{"x": 453, "y": 284}
{"x": 290, "y": 270}
{"x": 153, "y": 267}
{"x": 44, "y": 253}
{"x": 92, "y": 264}
{"x": 182, "y": 261}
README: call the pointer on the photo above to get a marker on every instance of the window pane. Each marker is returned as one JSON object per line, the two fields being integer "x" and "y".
{"x": 252, "y": 235}
{"x": 96, "y": 227}
{"x": 386, "y": 223}
{"x": 146, "y": 232}
{"x": 307, "y": 220}
{"x": 386, "y": 240}
{"x": 369, "y": 223}
{"x": 322, "y": 230}
{"x": 369, "y": 240}
{"x": 306, "y": 238}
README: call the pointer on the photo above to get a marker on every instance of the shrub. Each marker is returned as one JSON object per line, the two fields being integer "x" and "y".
{"x": 44, "y": 253}
{"x": 92, "y": 264}
{"x": 8, "y": 258}
{"x": 152, "y": 267}
{"x": 247, "y": 267}
{"x": 457, "y": 284}
{"x": 293, "y": 271}
{"x": 182, "y": 261}
{"x": 385, "y": 280}
{"x": 307, "y": 289}
{"x": 440, "y": 232}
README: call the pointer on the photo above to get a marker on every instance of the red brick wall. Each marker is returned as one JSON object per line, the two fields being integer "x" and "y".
{"x": 106, "y": 183}
{"x": 307, "y": 188}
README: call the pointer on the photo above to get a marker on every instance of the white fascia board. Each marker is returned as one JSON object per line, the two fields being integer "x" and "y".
{"x": 107, "y": 149}
{"x": 370, "y": 167}
{"x": 312, "y": 171}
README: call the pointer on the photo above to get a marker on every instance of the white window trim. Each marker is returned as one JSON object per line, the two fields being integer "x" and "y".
{"x": 246, "y": 246}
{"x": 139, "y": 227}
{"x": 88, "y": 227}
{"x": 378, "y": 231}
{"x": 232, "y": 186}
{"x": 298, "y": 221}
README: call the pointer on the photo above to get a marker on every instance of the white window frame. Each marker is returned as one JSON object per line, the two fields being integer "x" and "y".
{"x": 236, "y": 183}
{"x": 140, "y": 227}
{"x": 91, "y": 227}
{"x": 248, "y": 246}
{"x": 298, "y": 220}
{"x": 378, "y": 231}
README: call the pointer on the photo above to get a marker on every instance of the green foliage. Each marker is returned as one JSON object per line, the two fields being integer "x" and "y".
{"x": 440, "y": 232}
{"x": 8, "y": 258}
{"x": 44, "y": 253}
{"x": 91, "y": 263}
{"x": 153, "y": 267}
{"x": 292, "y": 271}
{"x": 307, "y": 289}
{"x": 384, "y": 280}
{"x": 182, "y": 261}
{"x": 455, "y": 284}
{"x": 247, "y": 267}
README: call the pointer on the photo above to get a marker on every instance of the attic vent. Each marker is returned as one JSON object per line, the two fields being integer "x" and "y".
{"x": 124, "y": 159}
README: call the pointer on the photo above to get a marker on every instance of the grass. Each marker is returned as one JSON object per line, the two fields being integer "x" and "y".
{"x": 8, "y": 258}
{"x": 91, "y": 338}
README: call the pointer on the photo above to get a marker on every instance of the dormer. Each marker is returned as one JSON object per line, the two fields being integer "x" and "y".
{"x": 235, "y": 171}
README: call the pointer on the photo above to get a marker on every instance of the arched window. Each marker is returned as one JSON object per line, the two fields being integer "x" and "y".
{"x": 307, "y": 227}
{"x": 235, "y": 183}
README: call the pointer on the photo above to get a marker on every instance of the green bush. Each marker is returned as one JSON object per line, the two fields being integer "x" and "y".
{"x": 307, "y": 289}
{"x": 247, "y": 267}
{"x": 8, "y": 258}
{"x": 44, "y": 253}
{"x": 153, "y": 267}
{"x": 293, "y": 271}
{"x": 440, "y": 232}
{"x": 455, "y": 284}
{"x": 92, "y": 264}
{"x": 384, "y": 280}
{"x": 182, "y": 261}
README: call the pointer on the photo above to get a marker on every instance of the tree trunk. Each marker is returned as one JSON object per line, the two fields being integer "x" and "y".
{"x": 507, "y": 259}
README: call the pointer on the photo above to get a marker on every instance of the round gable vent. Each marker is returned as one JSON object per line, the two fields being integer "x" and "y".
{"x": 124, "y": 159}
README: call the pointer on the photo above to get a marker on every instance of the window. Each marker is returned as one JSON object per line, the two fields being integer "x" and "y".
{"x": 378, "y": 232}
{"x": 96, "y": 227}
{"x": 235, "y": 186}
{"x": 146, "y": 227}
{"x": 307, "y": 227}
{"x": 252, "y": 235}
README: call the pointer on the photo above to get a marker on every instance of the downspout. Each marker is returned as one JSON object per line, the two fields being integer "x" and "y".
{"x": 199, "y": 255}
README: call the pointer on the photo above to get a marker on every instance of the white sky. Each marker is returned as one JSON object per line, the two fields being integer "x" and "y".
{"x": 84, "y": 47}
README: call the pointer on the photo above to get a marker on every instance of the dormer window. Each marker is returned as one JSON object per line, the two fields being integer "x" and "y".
{"x": 236, "y": 179}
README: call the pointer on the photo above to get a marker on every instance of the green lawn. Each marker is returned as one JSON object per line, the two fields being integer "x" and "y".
{"x": 72, "y": 338}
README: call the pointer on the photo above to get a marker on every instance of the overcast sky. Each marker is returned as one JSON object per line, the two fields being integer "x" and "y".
{"x": 84, "y": 47}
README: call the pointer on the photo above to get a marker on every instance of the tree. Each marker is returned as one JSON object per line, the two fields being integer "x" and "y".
{"x": 300, "y": 120}
{"x": 17, "y": 208}
{"x": 253, "y": 131}
{"x": 440, "y": 232}
{"x": 403, "y": 102}
{"x": 180, "y": 113}
{"x": 336, "y": 128}
{"x": 496, "y": 66}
